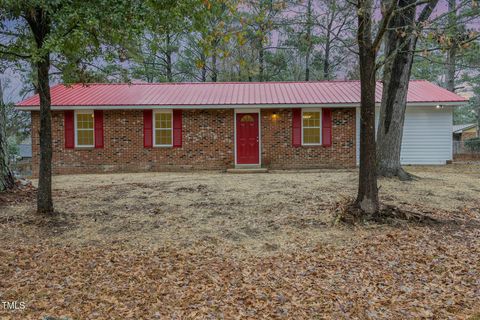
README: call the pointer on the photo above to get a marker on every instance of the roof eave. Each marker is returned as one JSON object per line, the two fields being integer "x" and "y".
{"x": 465, "y": 128}
{"x": 235, "y": 106}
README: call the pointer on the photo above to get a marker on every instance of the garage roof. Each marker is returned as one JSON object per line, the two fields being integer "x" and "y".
{"x": 230, "y": 94}
{"x": 458, "y": 128}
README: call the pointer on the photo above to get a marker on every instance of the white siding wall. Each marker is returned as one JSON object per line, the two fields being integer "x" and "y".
{"x": 427, "y": 135}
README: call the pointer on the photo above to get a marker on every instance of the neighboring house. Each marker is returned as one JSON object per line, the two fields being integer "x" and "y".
{"x": 25, "y": 149}
{"x": 462, "y": 132}
{"x": 23, "y": 163}
{"x": 279, "y": 125}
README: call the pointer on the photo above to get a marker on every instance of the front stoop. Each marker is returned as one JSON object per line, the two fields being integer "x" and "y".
{"x": 247, "y": 170}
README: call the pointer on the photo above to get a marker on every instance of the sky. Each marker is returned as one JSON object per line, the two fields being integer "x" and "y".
{"x": 13, "y": 84}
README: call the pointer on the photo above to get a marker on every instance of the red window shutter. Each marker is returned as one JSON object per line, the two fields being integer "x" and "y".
{"x": 177, "y": 128}
{"x": 326, "y": 127}
{"x": 296, "y": 127}
{"x": 69, "y": 129}
{"x": 98, "y": 118}
{"x": 147, "y": 129}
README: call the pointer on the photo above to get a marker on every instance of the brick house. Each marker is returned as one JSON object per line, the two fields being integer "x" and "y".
{"x": 277, "y": 125}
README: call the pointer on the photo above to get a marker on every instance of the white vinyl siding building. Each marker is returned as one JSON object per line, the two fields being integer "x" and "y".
{"x": 427, "y": 137}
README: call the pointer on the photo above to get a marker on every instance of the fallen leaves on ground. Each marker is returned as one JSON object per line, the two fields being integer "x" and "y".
{"x": 217, "y": 246}
{"x": 23, "y": 191}
{"x": 403, "y": 274}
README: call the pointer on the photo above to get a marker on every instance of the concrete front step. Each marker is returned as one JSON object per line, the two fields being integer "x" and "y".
{"x": 247, "y": 170}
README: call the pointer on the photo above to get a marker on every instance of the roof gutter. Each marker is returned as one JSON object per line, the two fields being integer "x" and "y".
{"x": 232, "y": 106}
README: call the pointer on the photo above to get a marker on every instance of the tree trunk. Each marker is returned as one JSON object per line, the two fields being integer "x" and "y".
{"x": 214, "y": 65}
{"x": 7, "y": 180}
{"x": 169, "y": 67}
{"x": 478, "y": 120}
{"x": 44, "y": 195}
{"x": 367, "y": 198}
{"x": 204, "y": 68}
{"x": 396, "y": 77}
{"x": 452, "y": 51}
{"x": 261, "y": 64}
{"x": 450, "y": 70}
{"x": 168, "y": 59}
{"x": 309, "y": 40}
{"x": 147, "y": 67}
{"x": 39, "y": 23}
{"x": 307, "y": 67}
{"x": 399, "y": 51}
{"x": 326, "y": 61}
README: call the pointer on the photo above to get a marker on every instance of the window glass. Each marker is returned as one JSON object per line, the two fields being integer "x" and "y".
{"x": 163, "y": 129}
{"x": 247, "y": 118}
{"x": 85, "y": 131}
{"x": 311, "y": 127}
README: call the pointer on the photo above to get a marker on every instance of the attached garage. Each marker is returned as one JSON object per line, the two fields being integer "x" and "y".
{"x": 427, "y": 137}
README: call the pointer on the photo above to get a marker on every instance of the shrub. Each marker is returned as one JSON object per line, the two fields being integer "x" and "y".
{"x": 12, "y": 148}
{"x": 473, "y": 144}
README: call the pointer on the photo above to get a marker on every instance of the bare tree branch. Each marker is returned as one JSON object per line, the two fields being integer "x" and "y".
{"x": 383, "y": 26}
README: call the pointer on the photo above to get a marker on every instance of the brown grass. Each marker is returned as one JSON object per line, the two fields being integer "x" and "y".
{"x": 248, "y": 213}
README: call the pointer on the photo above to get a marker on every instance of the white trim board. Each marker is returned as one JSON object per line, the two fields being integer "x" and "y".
{"x": 246, "y": 106}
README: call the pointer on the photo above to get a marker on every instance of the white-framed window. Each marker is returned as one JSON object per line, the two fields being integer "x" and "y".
{"x": 163, "y": 128}
{"x": 84, "y": 128}
{"x": 311, "y": 127}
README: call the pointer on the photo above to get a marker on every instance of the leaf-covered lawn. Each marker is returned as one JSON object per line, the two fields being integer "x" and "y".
{"x": 218, "y": 246}
{"x": 402, "y": 274}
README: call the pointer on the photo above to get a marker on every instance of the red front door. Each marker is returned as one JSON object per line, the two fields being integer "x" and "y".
{"x": 247, "y": 138}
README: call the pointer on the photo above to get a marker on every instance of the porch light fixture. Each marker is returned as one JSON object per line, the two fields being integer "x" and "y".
{"x": 275, "y": 116}
{"x": 439, "y": 106}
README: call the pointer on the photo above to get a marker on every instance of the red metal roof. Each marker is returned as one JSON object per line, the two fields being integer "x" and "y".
{"x": 231, "y": 93}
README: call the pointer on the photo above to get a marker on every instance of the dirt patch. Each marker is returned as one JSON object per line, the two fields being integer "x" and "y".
{"x": 235, "y": 213}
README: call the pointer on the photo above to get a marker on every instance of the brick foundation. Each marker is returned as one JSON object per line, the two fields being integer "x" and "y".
{"x": 208, "y": 144}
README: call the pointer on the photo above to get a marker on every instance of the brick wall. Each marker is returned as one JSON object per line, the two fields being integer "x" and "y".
{"x": 208, "y": 143}
{"x": 468, "y": 135}
{"x": 278, "y": 153}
